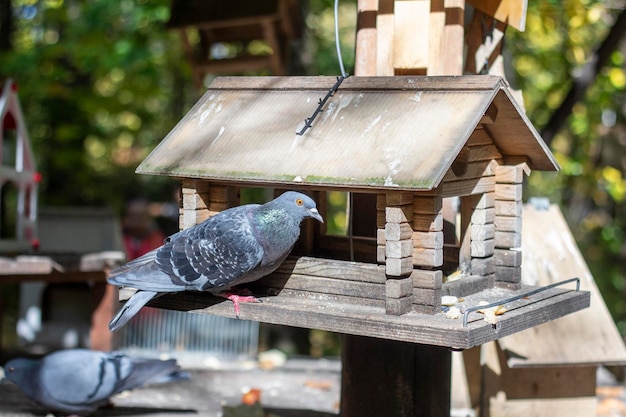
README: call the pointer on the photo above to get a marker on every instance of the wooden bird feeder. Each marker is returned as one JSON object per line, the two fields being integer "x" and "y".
{"x": 402, "y": 145}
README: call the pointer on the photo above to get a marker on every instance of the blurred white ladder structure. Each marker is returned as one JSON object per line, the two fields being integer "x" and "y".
{"x": 19, "y": 178}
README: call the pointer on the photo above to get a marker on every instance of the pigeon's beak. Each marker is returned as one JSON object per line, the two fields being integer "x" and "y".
{"x": 316, "y": 215}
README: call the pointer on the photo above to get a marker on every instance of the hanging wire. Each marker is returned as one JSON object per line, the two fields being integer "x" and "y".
{"x": 308, "y": 122}
{"x": 337, "y": 45}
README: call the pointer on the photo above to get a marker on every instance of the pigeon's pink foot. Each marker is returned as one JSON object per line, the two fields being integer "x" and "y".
{"x": 242, "y": 296}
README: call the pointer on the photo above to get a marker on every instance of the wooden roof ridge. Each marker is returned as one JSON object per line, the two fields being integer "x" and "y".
{"x": 362, "y": 83}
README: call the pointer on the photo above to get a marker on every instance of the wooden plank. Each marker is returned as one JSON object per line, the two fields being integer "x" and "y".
{"x": 437, "y": 21}
{"x": 365, "y": 55}
{"x": 193, "y": 217}
{"x": 411, "y": 34}
{"x": 427, "y": 222}
{"x": 427, "y": 205}
{"x": 194, "y": 202}
{"x": 482, "y": 248}
{"x": 426, "y": 279}
{"x": 397, "y": 267}
{"x": 482, "y": 231}
{"x": 55, "y": 277}
{"x": 479, "y": 137}
{"x": 398, "y": 306}
{"x": 380, "y": 254}
{"x": 396, "y": 198}
{"x": 508, "y": 224}
{"x": 399, "y": 214}
{"x": 397, "y": 231}
{"x": 385, "y": 37}
{"x": 399, "y": 248}
{"x": 328, "y": 268}
{"x": 504, "y": 257}
{"x": 28, "y": 265}
{"x": 482, "y": 266}
{"x": 474, "y": 169}
{"x": 483, "y": 216}
{"x": 398, "y": 288}
{"x": 427, "y": 297}
{"x": 428, "y": 240}
{"x": 192, "y": 186}
{"x": 468, "y": 285}
{"x": 508, "y": 191}
{"x": 509, "y": 208}
{"x": 325, "y": 285}
{"x": 509, "y": 174}
{"x": 550, "y": 254}
{"x": 454, "y": 37}
{"x": 427, "y": 257}
{"x": 487, "y": 200}
{"x": 412, "y": 327}
{"x": 379, "y": 82}
{"x": 509, "y": 274}
{"x": 468, "y": 187}
{"x": 262, "y": 291}
{"x": 484, "y": 153}
{"x": 507, "y": 240}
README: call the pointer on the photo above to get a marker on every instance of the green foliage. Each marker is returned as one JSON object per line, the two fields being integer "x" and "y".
{"x": 101, "y": 83}
{"x": 560, "y": 38}
{"x": 319, "y": 55}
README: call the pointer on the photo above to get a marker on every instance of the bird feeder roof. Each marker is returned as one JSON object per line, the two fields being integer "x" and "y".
{"x": 373, "y": 133}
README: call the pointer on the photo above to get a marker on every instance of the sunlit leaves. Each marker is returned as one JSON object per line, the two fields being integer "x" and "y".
{"x": 560, "y": 40}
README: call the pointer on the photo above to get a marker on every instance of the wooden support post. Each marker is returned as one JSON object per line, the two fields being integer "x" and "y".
{"x": 398, "y": 247}
{"x": 427, "y": 239}
{"x": 390, "y": 378}
{"x": 508, "y": 223}
{"x": 482, "y": 235}
{"x": 201, "y": 200}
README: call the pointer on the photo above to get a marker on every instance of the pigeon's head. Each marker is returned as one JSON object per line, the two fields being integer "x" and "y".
{"x": 300, "y": 204}
{"x": 21, "y": 372}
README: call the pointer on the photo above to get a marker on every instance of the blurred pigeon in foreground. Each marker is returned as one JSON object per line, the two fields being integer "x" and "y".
{"x": 236, "y": 246}
{"x": 81, "y": 380}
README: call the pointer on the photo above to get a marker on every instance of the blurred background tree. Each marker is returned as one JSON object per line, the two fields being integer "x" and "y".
{"x": 555, "y": 54}
{"x": 102, "y": 82}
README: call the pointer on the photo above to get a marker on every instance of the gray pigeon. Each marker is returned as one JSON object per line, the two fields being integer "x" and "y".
{"x": 78, "y": 381}
{"x": 236, "y": 246}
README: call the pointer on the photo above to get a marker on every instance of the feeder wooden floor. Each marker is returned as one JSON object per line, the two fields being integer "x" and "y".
{"x": 320, "y": 311}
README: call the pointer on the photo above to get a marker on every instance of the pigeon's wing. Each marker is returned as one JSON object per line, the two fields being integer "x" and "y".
{"x": 146, "y": 371}
{"x": 79, "y": 377}
{"x": 215, "y": 254}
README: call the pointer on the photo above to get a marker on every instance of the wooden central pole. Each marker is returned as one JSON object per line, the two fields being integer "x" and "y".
{"x": 389, "y": 378}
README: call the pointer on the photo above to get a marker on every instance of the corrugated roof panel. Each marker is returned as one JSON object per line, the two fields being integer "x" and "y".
{"x": 401, "y": 132}
{"x": 372, "y": 138}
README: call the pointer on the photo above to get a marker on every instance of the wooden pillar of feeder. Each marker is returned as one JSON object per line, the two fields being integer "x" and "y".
{"x": 396, "y": 250}
{"x": 482, "y": 235}
{"x": 508, "y": 223}
{"x": 201, "y": 200}
{"x": 427, "y": 228}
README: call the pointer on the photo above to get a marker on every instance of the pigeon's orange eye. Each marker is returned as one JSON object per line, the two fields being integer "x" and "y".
{"x": 299, "y": 202}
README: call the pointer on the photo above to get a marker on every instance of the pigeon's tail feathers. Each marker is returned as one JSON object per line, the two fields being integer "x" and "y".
{"x": 147, "y": 277}
{"x": 149, "y": 371}
{"x": 135, "y": 263}
{"x": 132, "y": 307}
